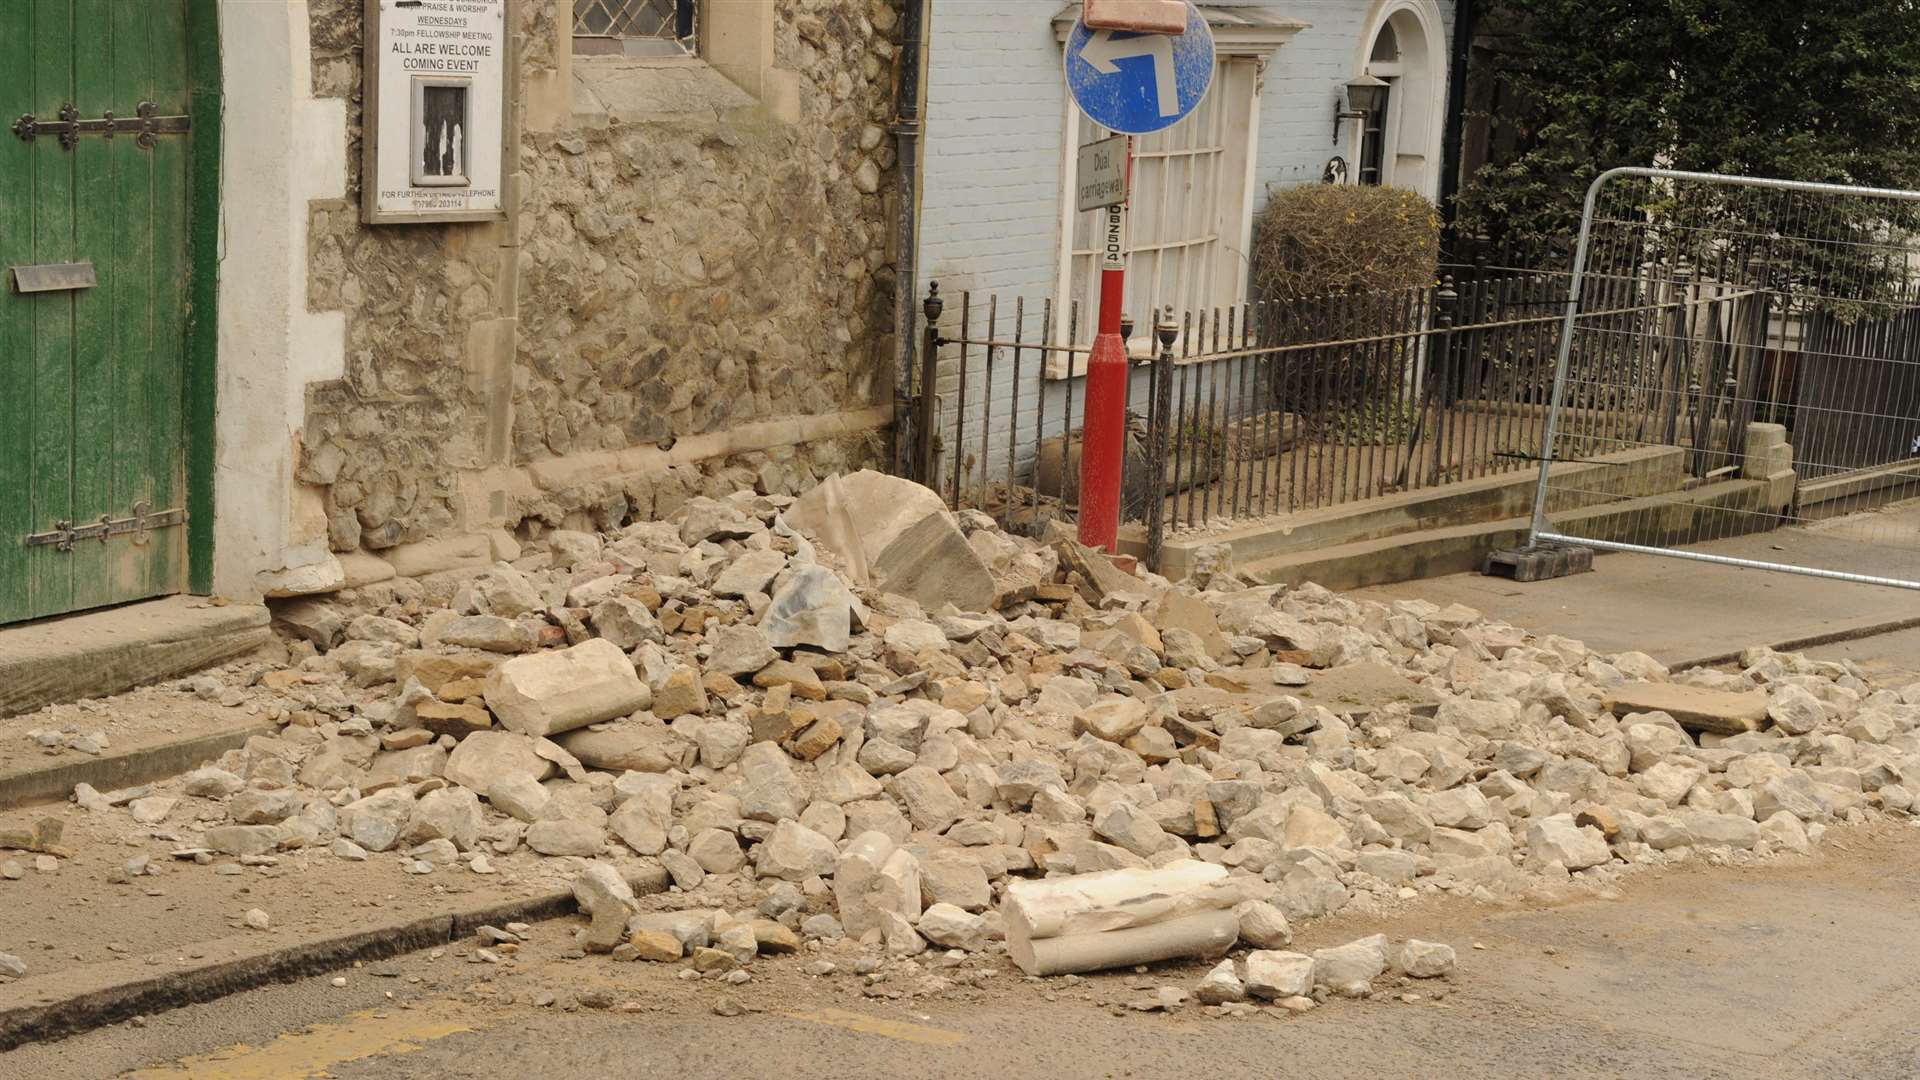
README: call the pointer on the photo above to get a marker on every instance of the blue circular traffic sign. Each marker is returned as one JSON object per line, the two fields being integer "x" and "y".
{"x": 1140, "y": 83}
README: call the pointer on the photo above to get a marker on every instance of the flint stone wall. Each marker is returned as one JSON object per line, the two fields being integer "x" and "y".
{"x": 658, "y": 278}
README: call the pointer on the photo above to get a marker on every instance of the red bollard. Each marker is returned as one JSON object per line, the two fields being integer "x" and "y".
{"x": 1103, "y": 450}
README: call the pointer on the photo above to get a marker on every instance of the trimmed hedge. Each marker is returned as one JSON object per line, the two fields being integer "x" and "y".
{"x": 1324, "y": 239}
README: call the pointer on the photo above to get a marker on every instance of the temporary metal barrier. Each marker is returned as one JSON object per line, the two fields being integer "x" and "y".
{"x": 1770, "y": 331}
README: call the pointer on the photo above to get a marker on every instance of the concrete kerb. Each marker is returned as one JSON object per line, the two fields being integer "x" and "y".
{"x": 1855, "y": 491}
{"x": 1641, "y": 472}
{"x": 1462, "y": 549}
{"x": 106, "y": 652}
{"x": 1832, "y": 637}
{"x": 108, "y": 993}
{"x": 54, "y": 783}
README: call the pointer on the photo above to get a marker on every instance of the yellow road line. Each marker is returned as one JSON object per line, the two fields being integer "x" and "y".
{"x": 315, "y": 1051}
{"x": 876, "y": 1025}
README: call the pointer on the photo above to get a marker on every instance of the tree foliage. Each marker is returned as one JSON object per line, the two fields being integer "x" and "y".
{"x": 1823, "y": 90}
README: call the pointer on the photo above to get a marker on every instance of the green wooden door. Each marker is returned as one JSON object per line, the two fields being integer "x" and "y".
{"x": 92, "y": 380}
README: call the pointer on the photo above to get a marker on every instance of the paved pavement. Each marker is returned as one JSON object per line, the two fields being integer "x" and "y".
{"x": 1681, "y": 611}
{"x": 1800, "y": 967}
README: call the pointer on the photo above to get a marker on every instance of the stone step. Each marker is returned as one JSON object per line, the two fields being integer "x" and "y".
{"x": 98, "y": 653}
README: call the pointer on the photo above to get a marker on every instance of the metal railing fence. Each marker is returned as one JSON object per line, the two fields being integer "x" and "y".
{"x": 1248, "y": 411}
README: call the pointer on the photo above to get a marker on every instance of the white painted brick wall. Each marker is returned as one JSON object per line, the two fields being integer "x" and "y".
{"x": 990, "y": 217}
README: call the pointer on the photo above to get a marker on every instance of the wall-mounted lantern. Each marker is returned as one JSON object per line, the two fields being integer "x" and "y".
{"x": 1363, "y": 95}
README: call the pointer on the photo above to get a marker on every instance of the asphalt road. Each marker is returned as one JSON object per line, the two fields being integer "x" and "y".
{"x": 1799, "y": 967}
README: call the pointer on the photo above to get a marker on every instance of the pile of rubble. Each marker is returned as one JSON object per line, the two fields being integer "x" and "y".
{"x": 880, "y": 722}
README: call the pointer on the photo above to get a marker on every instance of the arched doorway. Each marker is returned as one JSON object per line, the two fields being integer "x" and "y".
{"x": 1398, "y": 142}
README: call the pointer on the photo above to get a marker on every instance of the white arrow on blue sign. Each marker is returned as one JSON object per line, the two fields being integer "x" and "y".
{"x": 1137, "y": 84}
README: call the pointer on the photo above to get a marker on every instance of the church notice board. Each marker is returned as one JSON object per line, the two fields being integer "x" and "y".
{"x": 436, "y": 111}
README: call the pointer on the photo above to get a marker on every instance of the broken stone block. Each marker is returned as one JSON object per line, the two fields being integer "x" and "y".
{"x": 752, "y": 572}
{"x": 1310, "y": 827}
{"x": 519, "y": 795}
{"x": 378, "y": 821}
{"x": 154, "y": 809}
{"x": 457, "y": 720}
{"x": 739, "y": 649}
{"x": 558, "y": 691}
{"x": 656, "y": 946}
{"x": 773, "y": 939}
{"x": 1669, "y": 781}
{"x": 897, "y": 888}
{"x": 859, "y": 516}
{"x": 771, "y": 792}
{"x": 318, "y": 621}
{"x": 955, "y": 880}
{"x": 490, "y": 633}
{"x": 1392, "y": 867}
{"x": 1273, "y": 974}
{"x": 378, "y": 628}
{"x": 566, "y": 837}
{"x": 484, "y": 758}
{"x": 708, "y": 960}
{"x": 243, "y": 840}
{"x": 1114, "y": 720}
{"x": 932, "y": 564}
{"x": 953, "y": 928}
{"x": 1460, "y": 808}
{"x": 404, "y": 767}
{"x": 1720, "y": 829}
{"x": 1131, "y": 828}
{"x": 710, "y": 519}
{"x": 814, "y": 608}
{"x": 631, "y": 745}
{"x": 1312, "y": 890}
{"x": 855, "y": 877}
{"x": 929, "y": 801}
{"x": 210, "y": 782}
{"x": 794, "y": 853}
{"x": 717, "y": 851}
{"x": 899, "y": 937}
{"x": 680, "y": 694}
{"x": 1696, "y": 708}
{"x": 686, "y": 873}
{"x": 800, "y": 680}
{"x": 571, "y": 548}
{"x": 819, "y": 737}
{"x": 625, "y": 623}
{"x": 721, "y": 742}
{"x": 1424, "y": 959}
{"x": 1794, "y": 710}
{"x": 1787, "y": 832}
{"x": 1023, "y": 778}
{"x": 881, "y": 757}
{"x": 608, "y": 902}
{"x": 1262, "y": 925}
{"x": 250, "y": 807}
{"x": 1220, "y": 986}
{"x": 447, "y": 814}
{"x": 1350, "y": 969}
{"x": 738, "y": 940}
{"x": 1559, "y": 839}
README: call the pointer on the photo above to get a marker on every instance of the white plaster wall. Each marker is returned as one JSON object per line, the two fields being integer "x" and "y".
{"x": 1296, "y": 109}
{"x": 995, "y": 145}
{"x": 282, "y": 148}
